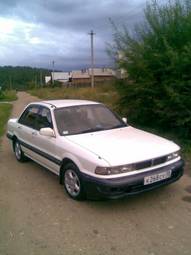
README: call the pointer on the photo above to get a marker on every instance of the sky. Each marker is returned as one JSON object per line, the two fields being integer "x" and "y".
{"x": 37, "y": 32}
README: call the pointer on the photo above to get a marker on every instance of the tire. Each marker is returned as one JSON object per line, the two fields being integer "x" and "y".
{"x": 18, "y": 152}
{"x": 72, "y": 181}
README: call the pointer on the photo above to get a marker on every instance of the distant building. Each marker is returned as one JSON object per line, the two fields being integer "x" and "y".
{"x": 82, "y": 77}
{"x": 103, "y": 74}
{"x": 61, "y": 76}
{"x": 100, "y": 75}
{"x": 47, "y": 79}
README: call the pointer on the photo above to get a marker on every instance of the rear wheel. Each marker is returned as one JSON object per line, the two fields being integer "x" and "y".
{"x": 18, "y": 152}
{"x": 72, "y": 181}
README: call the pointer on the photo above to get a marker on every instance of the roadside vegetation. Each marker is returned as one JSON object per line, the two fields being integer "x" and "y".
{"x": 8, "y": 95}
{"x": 157, "y": 58}
{"x": 5, "y": 111}
{"x": 106, "y": 94}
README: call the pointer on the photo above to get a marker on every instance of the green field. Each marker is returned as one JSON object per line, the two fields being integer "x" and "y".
{"x": 5, "y": 111}
{"x": 8, "y": 95}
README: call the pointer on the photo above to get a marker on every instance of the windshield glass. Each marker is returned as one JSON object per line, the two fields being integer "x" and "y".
{"x": 86, "y": 118}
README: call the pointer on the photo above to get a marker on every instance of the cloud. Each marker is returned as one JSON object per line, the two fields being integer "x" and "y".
{"x": 39, "y": 31}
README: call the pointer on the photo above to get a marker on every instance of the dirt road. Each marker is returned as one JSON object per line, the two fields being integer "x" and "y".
{"x": 38, "y": 218}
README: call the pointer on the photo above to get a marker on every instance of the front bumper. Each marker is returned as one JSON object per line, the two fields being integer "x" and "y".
{"x": 130, "y": 185}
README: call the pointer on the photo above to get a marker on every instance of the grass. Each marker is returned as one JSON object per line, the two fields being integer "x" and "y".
{"x": 5, "y": 111}
{"x": 8, "y": 95}
{"x": 105, "y": 94}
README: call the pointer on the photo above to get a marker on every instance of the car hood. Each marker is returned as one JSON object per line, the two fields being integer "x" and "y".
{"x": 124, "y": 145}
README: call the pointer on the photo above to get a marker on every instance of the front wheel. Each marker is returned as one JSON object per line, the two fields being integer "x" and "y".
{"x": 18, "y": 152}
{"x": 73, "y": 183}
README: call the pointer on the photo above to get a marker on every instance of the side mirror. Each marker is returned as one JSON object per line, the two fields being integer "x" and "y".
{"x": 124, "y": 120}
{"x": 47, "y": 132}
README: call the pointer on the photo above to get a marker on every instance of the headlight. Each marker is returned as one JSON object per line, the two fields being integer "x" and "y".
{"x": 114, "y": 170}
{"x": 173, "y": 155}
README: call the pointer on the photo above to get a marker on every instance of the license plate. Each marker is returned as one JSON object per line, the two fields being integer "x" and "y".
{"x": 157, "y": 177}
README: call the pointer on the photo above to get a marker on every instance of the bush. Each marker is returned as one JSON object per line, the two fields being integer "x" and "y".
{"x": 157, "y": 58}
{"x": 8, "y": 95}
{"x": 5, "y": 110}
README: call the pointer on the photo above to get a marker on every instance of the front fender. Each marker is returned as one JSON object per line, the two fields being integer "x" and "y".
{"x": 86, "y": 162}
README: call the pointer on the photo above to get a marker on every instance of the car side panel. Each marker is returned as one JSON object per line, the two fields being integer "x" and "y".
{"x": 24, "y": 135}
{"x": 46, "y": 152}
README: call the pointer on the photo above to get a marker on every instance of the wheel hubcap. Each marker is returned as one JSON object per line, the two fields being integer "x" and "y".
{"x": 17, "y": 150}
{"x": 72, "y": 183}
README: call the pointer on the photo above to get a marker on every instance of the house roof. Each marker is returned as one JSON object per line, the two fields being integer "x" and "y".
{"x": 86, "y": 73}
{"x": 83, "y": 74}
{"x": 102, "y": 72}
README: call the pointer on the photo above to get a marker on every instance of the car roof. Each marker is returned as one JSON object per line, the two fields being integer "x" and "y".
{"x": 66, "y": 102}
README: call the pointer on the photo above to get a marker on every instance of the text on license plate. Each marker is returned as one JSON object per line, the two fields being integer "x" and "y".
{"x": 157, "y": 177}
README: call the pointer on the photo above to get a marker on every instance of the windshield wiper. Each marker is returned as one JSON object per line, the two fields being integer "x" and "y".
{"x": 119, "y": 126}
{"x": 89, "y": 130}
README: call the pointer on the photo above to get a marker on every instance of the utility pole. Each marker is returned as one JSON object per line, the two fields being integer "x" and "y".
{"x": 92, "y": 57}
{"x": 53, "y": 72}
{"x": 41, "y": 84}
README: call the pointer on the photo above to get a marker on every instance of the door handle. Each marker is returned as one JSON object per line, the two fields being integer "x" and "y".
{"x": 19, "y": 127}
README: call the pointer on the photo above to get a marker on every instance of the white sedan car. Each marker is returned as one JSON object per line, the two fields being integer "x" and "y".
{"x": 92, "y": 150}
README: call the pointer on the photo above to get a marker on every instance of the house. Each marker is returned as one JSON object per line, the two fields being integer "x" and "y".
{"x": 80, "y": 77}
{"x": 103, "y": 74}
{"x": 61, "y": 76}
{"x": 47, "y": 79}
{"x": 83, "y": 77}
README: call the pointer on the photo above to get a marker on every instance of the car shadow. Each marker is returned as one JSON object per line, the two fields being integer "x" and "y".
{"x": 133, "y": 202}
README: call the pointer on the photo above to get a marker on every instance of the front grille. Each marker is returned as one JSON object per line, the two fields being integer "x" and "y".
{"x": 149, "y": 163}
{"x": 158, "y": 161}
{"x": 143, "y": 164}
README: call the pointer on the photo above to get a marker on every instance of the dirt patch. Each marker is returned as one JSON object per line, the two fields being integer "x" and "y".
{"x": 187, "y": 199}
{"x": 188, "y": 189}
{"x": 188, "y": 168}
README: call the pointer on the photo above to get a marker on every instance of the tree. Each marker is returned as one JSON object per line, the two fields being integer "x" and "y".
{"x": 157, "y": 58}
{"x": 21, "y": 77}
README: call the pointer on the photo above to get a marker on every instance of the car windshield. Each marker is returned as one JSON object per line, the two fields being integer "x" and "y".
{"x": 86, "y": 118}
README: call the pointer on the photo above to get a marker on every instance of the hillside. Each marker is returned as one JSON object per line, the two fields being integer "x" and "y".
{"x": 21, "y": 77}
